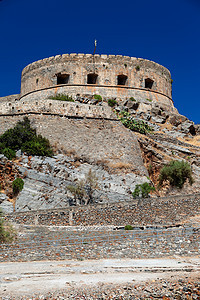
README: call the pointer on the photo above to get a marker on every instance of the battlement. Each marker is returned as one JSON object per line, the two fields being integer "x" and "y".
{"x": 76, "y": 56}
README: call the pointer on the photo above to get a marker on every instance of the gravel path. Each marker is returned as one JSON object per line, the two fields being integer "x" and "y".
{"x": 103, "y": 279}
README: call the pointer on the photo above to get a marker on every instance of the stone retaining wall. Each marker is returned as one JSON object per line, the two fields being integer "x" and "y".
{"x": 55, "y": 107}
{"x": 164, "y": 211}
{"x": 48, "y": 243}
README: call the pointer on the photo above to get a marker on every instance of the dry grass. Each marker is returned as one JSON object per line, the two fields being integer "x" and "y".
{"x": 120, "y": 165}
{"x": 194, "y": 141}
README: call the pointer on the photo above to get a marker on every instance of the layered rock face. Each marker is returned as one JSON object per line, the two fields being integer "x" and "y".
{"x": 110, "y": 76}
{"x": 105, "y": 147}
{"x": 88, "y": 135}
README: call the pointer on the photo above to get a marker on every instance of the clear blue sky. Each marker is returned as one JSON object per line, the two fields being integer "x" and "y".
{"x": 167, "y": 32}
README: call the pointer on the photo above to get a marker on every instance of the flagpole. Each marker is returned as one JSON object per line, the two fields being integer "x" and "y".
{"x": 95, "y": 46}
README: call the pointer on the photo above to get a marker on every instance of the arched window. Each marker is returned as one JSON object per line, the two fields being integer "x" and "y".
{"x": 62, "y": 78}
{"x": 122, "y": 80}
{"x": 92, "y": 78}
{"x": 149, "y": 83}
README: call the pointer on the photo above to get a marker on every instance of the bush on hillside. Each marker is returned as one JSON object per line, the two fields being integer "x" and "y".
{"x": 9, "y": 153}
{"x": 38, "y": 146}
{"x": 98, "y": 97}
{"x": 17, "y": 185}
{"x": 7, "y": 233}
{"x": 24, "y": 137}
{"x": 176, "y": 172}
{"x": 112, "y": 102}
{"x": 143, "y": 190}
{"x": 83, "y": 190}
{"x": 134, "y": 125}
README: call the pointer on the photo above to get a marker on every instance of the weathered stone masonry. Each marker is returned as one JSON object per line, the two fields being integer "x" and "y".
{"x": 161, "y": 211}
{"x": 111, "y": 76}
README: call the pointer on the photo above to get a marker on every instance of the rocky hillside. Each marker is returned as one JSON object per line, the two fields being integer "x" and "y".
{"x": 117, "y": 157}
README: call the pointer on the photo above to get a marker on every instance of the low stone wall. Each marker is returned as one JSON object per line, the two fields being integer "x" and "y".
{"x": 52, "y": 243}
{"x": 55, "y": 107}
{"x": 163, "y": 211}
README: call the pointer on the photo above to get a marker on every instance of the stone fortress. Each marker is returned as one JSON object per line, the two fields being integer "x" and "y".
{"x": 111, "y": 76}
{"x": 90, "y": 129}
{"x": 87, "y": 136}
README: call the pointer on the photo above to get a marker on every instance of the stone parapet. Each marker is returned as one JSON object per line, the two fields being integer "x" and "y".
{"x": 55, "y": 107}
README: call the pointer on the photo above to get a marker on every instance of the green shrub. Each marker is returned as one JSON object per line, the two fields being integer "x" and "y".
{"x": 38, "y": 146}
{"x": 132, "y": 99}
{"x": 112, "y": 102}
{"x": 15, "y": 137}
{"x": 177, "y": 172}
{"x": 17, "y": 185}
{"x": 62, "y": 97}
{"x": 134, "y": 125}
{"x": 98, "y": 97}
{"x": 9, "y": 153}
{"x": 24, "y": 137}
{"x": 137, "y": 68}
{"x": 128, "y": 227}
{"x": 7, "y": 233}
{"x": 149, "y": 100}
{"x": 143, "y": 190}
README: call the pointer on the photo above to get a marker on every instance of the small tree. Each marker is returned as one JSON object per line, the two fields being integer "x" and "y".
{"x": 176, "y": 172}
{"x": 17, "y": 185}
{"x": 83, "y": 191}
{"x": 143, "y": 190}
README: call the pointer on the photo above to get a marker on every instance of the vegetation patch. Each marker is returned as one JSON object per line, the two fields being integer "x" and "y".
{"x": 112, "y": 102}
{"x": 134, "y": 125}
{"x": 7, "y": 233}
{"x": 83, "y": 190}
{"x": 62, "y": 97}
{"x": 143, "y": 190}
{"x": 17, "y": 185}
{"x": 23, "y": 137}
{"x": 176, "y": 172}
{"x": 128, "y": 227}
{"x": 132, "y": 99}
{"x": 97, "y": 97}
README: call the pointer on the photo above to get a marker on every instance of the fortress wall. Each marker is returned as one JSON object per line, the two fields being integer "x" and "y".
{"x": 42, "y": 74}
{"x": 92, "y": 140}
{"x": 122, "y": 93}
{"x": 161, "y": 211}
{"x": 34, "y": 105}
{"x": 9, "y": 98}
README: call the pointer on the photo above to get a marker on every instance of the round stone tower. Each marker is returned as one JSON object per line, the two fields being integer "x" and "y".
{"x": 110, "y": 76}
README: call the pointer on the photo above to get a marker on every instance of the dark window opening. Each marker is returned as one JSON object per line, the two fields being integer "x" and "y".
{"x": 148, "y": 83}
{"x": 92, "y": 78}
{"x": 37, "y": 80}
{"x": 122, "y": 80}
{"x": 62, "y": 78}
